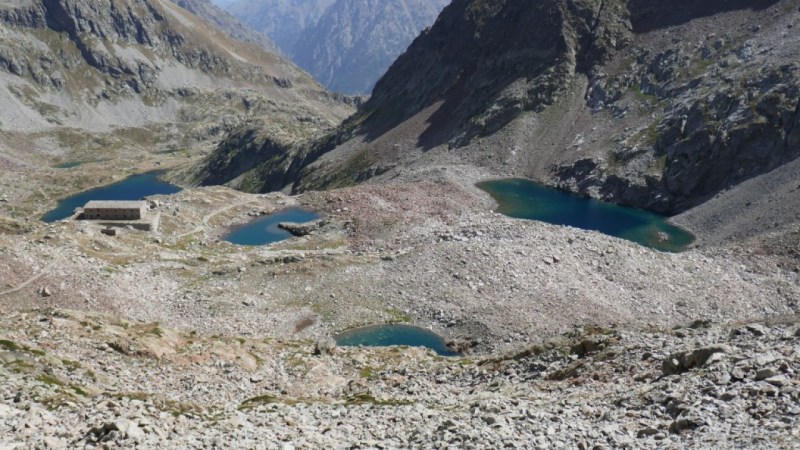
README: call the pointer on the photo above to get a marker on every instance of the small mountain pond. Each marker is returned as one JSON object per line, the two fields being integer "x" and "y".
{"x": 264, "y": 230}
{"x": 68, "y": 164}
{"x": 394, "y": 334}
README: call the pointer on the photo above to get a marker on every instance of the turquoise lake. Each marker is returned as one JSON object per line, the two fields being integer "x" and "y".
{"x": 265, "y": 231}
{"x": 132, "y": 188}
{"x": 397, "y": 334}
{"x": 524, "y": 199}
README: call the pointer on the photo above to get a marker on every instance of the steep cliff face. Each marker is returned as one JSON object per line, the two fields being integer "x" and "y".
{"x": 712, "y": 108}
{"x": 639, "y": 102}
{"x": 355, "y": 41}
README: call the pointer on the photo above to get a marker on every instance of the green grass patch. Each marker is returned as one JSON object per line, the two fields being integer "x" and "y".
{"x": 9, "y": 345}
{"x": 347, "y": 174}
{"x": 645, "y": 97}
{"x": 180, "y": 411}
{"x": 78, "y": 390}
{"x": 50, "y": 380}
{"x": 156, "y": 331}
{"x": 20, "y": 366}
{"x": 397, "y": 316}
{"x": 12, "y": 346}
{"x": 140, "y": 396}
{"x": 71, "y": 364}
{"x": 367, "y": 399}
{"x": 661, "y": 164}
{"x": 264, "y": 400}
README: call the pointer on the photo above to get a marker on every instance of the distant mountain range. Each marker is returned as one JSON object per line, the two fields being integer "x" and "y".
{"x": 223, "y": 20}
{"x": 345, "y": 44}
{"x": 284, "y": 21}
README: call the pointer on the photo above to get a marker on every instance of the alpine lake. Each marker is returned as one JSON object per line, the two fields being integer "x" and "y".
{"x": 524, "y": 199}
{"x": 133, "y": 187}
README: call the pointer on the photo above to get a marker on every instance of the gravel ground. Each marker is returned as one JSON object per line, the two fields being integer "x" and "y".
{"x": 72, "y": 380}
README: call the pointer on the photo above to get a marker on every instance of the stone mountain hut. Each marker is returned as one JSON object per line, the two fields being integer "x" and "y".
{"x": 114, "y": 210}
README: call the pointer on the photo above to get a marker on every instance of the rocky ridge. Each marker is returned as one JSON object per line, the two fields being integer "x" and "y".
{"x": 723, "y": 108}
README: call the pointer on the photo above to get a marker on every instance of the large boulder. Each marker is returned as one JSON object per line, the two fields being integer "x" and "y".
{"x": 324, "y": 346}
{"x": 681, "y": 362}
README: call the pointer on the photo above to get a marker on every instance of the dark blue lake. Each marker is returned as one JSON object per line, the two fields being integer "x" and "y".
{"x": 265, "y": 231}
{"x": 132, "y": 188}
{"x": 524, "y": 199}
{"x": 396, "y": 334}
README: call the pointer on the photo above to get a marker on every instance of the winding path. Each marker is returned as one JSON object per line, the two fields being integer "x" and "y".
{"x": 25, "y": 283}
{"x": 210, "y": 215}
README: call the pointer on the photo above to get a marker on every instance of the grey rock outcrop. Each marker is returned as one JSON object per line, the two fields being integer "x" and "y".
{"x": 301, "y": 229}
{"x": 722, "y": 113}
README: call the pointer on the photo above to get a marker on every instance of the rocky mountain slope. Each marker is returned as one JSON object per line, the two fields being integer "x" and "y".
{"x": 637, "y": 102}
{"x": 355, "y": 41}
{"x": 66, "y": 62}
{"x": 139, "y": 82}
{"x": 72, "y": 379}
{"x": 345, "y": 44}
{"x": 568, "y": 338}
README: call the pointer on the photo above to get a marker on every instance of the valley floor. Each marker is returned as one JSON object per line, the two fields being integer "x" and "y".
{"x": 183, "y": 340}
